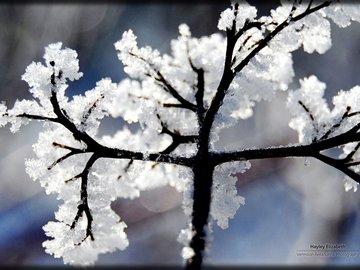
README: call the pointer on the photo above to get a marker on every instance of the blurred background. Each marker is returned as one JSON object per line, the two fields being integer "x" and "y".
{"x": 290, "y": 203}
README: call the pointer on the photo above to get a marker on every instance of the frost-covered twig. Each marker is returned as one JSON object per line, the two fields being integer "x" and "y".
{"x": 73, "y": 151}
{"x": 159, "y": 77}
{"x": 176, "y": 137}
{"x": 90, "y": 110}
{"x": 200, "y": 89}
{"x": 83, "y": 207}
{"x": 170, "y": 89}
{"x": 36, "y": 117}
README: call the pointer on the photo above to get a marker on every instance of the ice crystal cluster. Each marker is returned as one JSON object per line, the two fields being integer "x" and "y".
{"x": 66, "y": 164}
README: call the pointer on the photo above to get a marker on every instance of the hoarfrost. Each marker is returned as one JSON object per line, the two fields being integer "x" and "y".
{"x": 151, "y": 98}
{"x": 225, "y": 201}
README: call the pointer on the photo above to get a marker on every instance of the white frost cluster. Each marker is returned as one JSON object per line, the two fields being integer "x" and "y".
{"x": 311, "y": 32}
{"x": 343, "y": 14}
{"x": 245, "y": 12}
{"x": 62, "y": 65}
{"x": 62, "y": 62}
{"x": 225, "y": 201}
{"x": 69, "y": 244}
{"x": 316, "y": 121}
{"x": 107, "y": 228}
{"x": 310, "y": 95}
{"x": 184, "y": 238}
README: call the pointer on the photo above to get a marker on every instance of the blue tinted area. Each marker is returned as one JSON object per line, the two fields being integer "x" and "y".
{"x": 264, "y": 229}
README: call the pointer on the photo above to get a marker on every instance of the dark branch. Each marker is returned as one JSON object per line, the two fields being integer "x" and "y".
{"x": 64, "y": 120}
{"x": 61, "y": 159}
{"x": 173, "y": 105}
{"x": 204, "y": 160}
{"x": 73, "y": 178}
{"x": 126, "y": 169}
{"x": 345, "y": 116}
{"x": 353, "y": 163}
{"x": 353, "y": 114}
{"x": 338, "y": 164}
{"x": 229, "y": 74}
{"x": 199, "y": 96}
{"x": 247, "y": 26}
{"x": 350, "y": 156}
{"x": 310, "y": 10}
{"x": 107, "y": 152}
{"x": 73, "y": 151}
{"x": 336, "y": 125}
{"x": 177, "y": 138}
{"x": 37, "y": 117}
{"x": 166, "y": 85}
{"x": 277, "y": 30}
{"x": 67, "y": 147}
{"x": 83, "y": 207}
{"x": 128, "y": 165}
{"x": 170, "y": 89}
{"x": 310, "y": 150}
{"x": 90, "y": 110}
{"x": 307, "y": 110}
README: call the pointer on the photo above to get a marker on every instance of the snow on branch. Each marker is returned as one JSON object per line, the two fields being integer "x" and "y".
{"x": 181, "y": 101}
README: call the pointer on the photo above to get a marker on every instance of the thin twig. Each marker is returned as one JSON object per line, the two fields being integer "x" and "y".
{"x": 90, "y": 110}
{"x": 37, "y": 117}
{"x": 83, "y": 207}
{"x": 166, "y": 85}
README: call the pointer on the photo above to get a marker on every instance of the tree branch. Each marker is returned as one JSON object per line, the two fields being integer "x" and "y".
{"x": 170, "y": 89}
{"x": 200, "y": 86}
{"x": 350, "y": 156}
{"x": 167, "y": 86}
{"x": 338, "y": 164}
{"x": 90, "y": 110}
{"x": 177, "y": 138}
{"x": 37, "y": 117}
{"x": 310, "y": 10}
{"x": 65, "y": 121}
{"x": 310, "y": 150}
{"x": 107, "y": 152}
{"x": 173, "y": 105}
{"x": 73, "y": 151}
{"x": 229, "y": 74}
{"x": 277, "y": 30}
{"x": 83, "y": 207}
{"x": 205, "y": 159}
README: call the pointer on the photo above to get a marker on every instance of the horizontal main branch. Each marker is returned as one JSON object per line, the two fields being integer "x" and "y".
{"x": 309, "y": 150}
